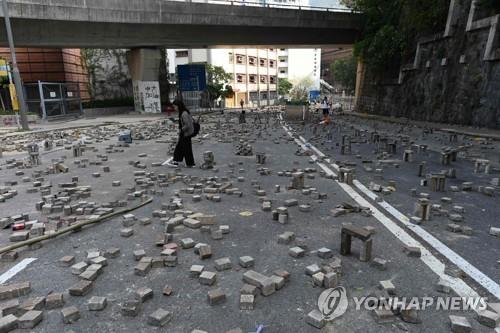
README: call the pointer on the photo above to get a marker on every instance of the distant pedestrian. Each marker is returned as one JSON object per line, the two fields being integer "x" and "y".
{"x": 242, "y": 103}
{"x": 183, "y": 149}
{"x": 242, "y": 119}
{"x": 325, "y": 107}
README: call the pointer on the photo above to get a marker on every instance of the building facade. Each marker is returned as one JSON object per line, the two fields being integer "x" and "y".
{"x": 297, "y": 65}
{"x": 253, "y": 71}
{"x": 51, "y": 65}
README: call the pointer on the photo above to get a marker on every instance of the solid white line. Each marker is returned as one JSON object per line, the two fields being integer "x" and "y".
{"x": 438, "y": 267}
{"x": 15, "y": 269}
{"x": 452, "y": 256}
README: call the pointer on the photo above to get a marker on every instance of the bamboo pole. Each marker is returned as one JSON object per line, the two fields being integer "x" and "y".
{"x": 72, "y": 227}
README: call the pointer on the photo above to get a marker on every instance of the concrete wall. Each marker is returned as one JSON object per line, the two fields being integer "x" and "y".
{"x": 455, "y": 77}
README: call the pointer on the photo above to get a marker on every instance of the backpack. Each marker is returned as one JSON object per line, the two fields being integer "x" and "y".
{"x": 196, "y": 127}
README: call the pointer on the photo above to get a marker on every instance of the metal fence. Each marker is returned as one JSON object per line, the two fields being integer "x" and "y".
{"x": 52, "y": 100}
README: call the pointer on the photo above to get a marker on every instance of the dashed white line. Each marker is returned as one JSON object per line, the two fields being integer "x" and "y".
{"x": 437, "y": 266}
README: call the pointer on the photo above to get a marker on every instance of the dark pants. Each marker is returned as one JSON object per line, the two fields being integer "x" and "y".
{"x": 184, "y": 150}
{"x": 326, "y": 112}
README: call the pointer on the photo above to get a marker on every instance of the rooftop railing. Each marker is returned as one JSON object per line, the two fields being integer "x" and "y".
{"x": 266, "y": 4}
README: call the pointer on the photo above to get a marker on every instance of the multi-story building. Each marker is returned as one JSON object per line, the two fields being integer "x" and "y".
{"x": 253, "y": 71}
{"x": 298, "y": 64}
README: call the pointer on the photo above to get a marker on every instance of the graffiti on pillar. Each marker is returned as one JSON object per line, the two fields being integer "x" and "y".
{"x": 147, "y": 96}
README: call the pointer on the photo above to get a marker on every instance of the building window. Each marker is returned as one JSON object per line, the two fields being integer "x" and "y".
{"x": 252, "y": 78}
{"x": 181, "y": 54}
{"x": 272, "y": 79}
{"x": 271, "y": 63}
{"x": 240, "y": 59}
{"x": 263, "y": 62}
{"x": 231, "y": 57}
{"x": 252, "y": 61}
{"x": 282, "y": 71}
{"x": 240, "y": 78}
{"x": 263, "y": 79}
{"x": 271, "y": 50}
{"x": 282, "y": 59}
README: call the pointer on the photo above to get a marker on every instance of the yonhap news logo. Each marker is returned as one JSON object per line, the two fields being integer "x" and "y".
{"x": 333, "y": 302}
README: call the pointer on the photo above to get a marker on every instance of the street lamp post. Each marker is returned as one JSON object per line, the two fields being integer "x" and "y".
{"x": 15, "y": 70}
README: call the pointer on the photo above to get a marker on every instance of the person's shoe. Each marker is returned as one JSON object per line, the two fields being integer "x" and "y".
{"x": 190, "y": 166}
{"x": 167, "y": 162}
{"x": 173, "y": 164}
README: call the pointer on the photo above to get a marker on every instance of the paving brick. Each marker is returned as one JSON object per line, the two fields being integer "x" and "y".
{"x": 54, "y": 301}
{"x": 223, "y": 264}
{"x": 207, "y": 278}
{"x": 14, "y": 290}
{"x": 205, "y": 251}
{"x": 488, "y": 318}
{"x": 379, "y": 263}
{"x": 247, "y": 302}
{"x": 460, "y": 324}
{"x": 167, "y": 290}
{"x": 126, "y": 232}
{"x": 33, "y": 303}
{"x": 196, "y": 270}
{"x": 325, "y": 253}
{"x": 97, "y": 303}
{"x": 330, "y": 280}
{"x": 388, "y": 286}
{"x": 81, "y": 288}
{"x": 191, "y": 223}
{"x": 9, "y": 307}
{"x": 67, "y": 261}
{"x": 216, "y": 296}
{"x": 8, "y": 323}
{"x": 246, "y": 261}
{"x": 70, "y": 314}
{"x": 143, "y": 294}
{"x": 278, "y": 281}
{"x": 282, "y": 273}
{"x": 296, "y": 252}
{"x": 138, "y": 254}
{"x": 142, "y": 268}
{"x": 248, "y": 289}
{"x": 30, "y": 319}
{"x": 79, "y": 268}
{"x": 187, "y": 243}
{"x": 315, "y": 319}
{"x": 286, "y": 237}
{"x": 159, "y": 318}
{"x": 265, "y": 284}
{"x": 130, "y": 308}
{"x": 312, "y": 269}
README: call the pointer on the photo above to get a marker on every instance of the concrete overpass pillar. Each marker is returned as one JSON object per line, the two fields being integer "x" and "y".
{"x": 144, "y": 68}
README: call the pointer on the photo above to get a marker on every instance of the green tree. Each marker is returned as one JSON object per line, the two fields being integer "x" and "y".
{"x": 218, "y": 83}
{"x": 392, "y": 28}
{"x": 344, "y": 72}
{"x": 300, "y": 90}
{"x": 284, "y": 86}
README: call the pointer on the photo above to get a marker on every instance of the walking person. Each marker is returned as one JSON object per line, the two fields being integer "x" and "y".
{"x": 325, "y": 107}
{"x": 242, "y": 103}
{"x": 183, "y": 149}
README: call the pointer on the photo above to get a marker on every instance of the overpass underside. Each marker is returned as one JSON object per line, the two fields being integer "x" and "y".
{"x": 55, "y": 33}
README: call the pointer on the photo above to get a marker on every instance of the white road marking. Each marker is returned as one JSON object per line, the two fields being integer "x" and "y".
{"x": 452, "y": 256}
{"x": 15, "y": 269}
{"x": 437, "y": 266}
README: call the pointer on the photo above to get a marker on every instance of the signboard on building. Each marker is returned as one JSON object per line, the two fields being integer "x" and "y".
{"x": 4, "y": 68}
{"x": 314, "y": 95}
{"x": 147, "y": 96}
{"x": 192, "y": 77}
